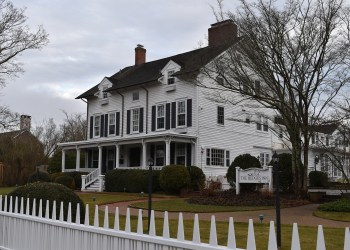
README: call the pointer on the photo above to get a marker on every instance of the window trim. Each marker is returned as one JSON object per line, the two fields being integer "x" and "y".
{"x": 262, "y": 124}
{"x": 209, "y": 157}
{"x": 105, "y": 94}
{"x": 170, "y": 78}
{"x": 218, "y": 117}
{"x": 132, "y": 131}
{"x": 134, "y": 94}
{"x": 177, "y": 152}
{"x": 109, "y": 123}
{"x": 99, "y": 127}
{"x": 177, "y": 114}
{"x": 164, "y": 114}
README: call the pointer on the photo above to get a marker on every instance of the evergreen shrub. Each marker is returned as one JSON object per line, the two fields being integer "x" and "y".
{"x": 173, "y": 178}
{"x": 342, "y": 205}
{"x": 318, "y": 179}
{"x": 66, "y": 180}
{"x": 39, "y": 177}
{"x": 197, "y": 178}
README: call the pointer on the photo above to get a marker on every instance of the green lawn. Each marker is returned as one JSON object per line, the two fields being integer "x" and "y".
{"x": 104, "y": 198}
{"x": 6, "y": 190}
{"x": 339, "y": 216}
{"x": 180, "y": 205}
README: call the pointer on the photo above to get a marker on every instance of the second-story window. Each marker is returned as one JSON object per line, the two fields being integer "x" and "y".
{"x": 220, "y": 115}
{"x": 111, "y": 125}
{"x": 135, "y": 96}
{"x": 135, "y": 119}
{"x": 171, "y": 79}
{"x": 181, "y": 113}
{"x": 262, "y": 124}
{"x": 161, "y": 116}
{"x": 104, "y": 92}
{"x": 97, "y": 122}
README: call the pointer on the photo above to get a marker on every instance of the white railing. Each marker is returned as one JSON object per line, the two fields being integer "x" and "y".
{"x": 90, "y": 178}
{"x": 38, "y": 231}
{"x": 154, "y": 168}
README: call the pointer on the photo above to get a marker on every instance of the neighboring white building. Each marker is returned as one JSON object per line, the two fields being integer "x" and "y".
{"x": 155, "y": 110}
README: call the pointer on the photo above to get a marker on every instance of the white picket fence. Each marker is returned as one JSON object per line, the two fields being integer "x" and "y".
{"x": 21, "y": 230}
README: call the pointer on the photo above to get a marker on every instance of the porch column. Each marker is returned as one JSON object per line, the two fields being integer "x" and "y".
{"x": 77, "y": 164}
{"x": 100, "y": 159}
{"x": 193, "y": 153}
{"x": 167, "y": 151}
{"x": 63, "y": 160}
{"x": 117, "y": 149}
{"x": 144, "y": 154}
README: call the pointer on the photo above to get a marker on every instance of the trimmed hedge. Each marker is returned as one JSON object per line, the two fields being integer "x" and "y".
{"x": 318, "y": 179}
{"x": 75, "y": 175}
{"x": 66, "y": 180}
{"x": 173, "y": 178}
{"x": 39, "y": 177}
{"x": 131, "y": 180}
{"x": 285, "y": 172}
{"x": 51, "y": 192}
{"x": 197, "y": 178}
{"x": 342, "y": 205}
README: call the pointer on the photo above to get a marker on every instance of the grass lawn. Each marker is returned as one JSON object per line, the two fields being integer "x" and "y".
{"x": 340, "y": 216}
{"x": 180, "y": 205}
{"x": 6, "y": 190}
{"x": 105, "y": 198}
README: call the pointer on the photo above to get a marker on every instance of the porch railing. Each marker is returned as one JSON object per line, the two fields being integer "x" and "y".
{"x": 154, "y": 167}
{"x": 90, "y": 178}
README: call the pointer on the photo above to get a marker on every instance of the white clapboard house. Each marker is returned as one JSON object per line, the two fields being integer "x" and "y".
{"x": 155, "y": 110}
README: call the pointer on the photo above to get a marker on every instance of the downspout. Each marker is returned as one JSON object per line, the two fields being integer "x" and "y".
{"x": 146, "y": 109}
{"x": 122, "y": 130}
{"x": 87, "y": 118}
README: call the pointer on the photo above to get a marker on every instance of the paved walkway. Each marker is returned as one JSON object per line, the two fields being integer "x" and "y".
{"x": 301, "y": 215}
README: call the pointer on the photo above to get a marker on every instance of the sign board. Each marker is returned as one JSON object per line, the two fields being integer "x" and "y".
{"x": 253, "y": 175}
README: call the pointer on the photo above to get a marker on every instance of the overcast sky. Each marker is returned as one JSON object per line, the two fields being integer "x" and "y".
{"x": 90, "y": 39}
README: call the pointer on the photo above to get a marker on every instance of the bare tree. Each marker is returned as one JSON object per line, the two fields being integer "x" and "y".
{"x": 74, "y": 127}
{"x": 292, "y": 59}
{"x": 8, "y": 119}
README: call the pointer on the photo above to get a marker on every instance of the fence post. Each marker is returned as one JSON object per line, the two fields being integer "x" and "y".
{"x": 83, "y": 181}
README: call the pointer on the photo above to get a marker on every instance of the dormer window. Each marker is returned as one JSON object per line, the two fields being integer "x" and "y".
{"x": 171, "y": 79}
{"x": 135, "y": 96}
{"x": 104, "y": 92}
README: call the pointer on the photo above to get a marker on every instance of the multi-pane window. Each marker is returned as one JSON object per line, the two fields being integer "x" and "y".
{"x": 216, "y": 157}
{"x": 161, "y": 116}
{"x": 181, "y": 113}
{"x": 171, "y": 79}
{"x": 111, "y": 124}
{"x": 220, "y": 115}
{"x": 160, "y": 155}
{"x": 135, "y": 96}
{"x": 135, "y": 116}
{"x": 325, "y": 164}
{"x": 94, "y": 159}
{"x": 262, "y": 124}
{"x": 97, "y": 122}
{"x": 180, "y": 153}
{"x": 264, "y": 159}
{"x": 104, "y": 92}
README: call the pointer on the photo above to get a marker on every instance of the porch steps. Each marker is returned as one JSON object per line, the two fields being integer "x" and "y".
{"x": 94, "y": 187}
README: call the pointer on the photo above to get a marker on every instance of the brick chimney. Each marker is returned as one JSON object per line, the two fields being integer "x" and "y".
{"x": 140, "y": 54}
{"x": 222, "y": 32}
{"x": 25, "y": 122}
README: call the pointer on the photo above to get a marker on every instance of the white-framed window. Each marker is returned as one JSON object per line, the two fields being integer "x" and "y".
{"x": 264, "y": 159}
{"x": 160, "y": 154}
{"x": 135, "y": 96}
{"x": 135, "y": 119}
{"x": 262, "y": 124}
{"x": 338, "y": 162}
{"x": 220, "y": 115}
{"x": 171, "y": 79}
{"x": 97, "y": 125}
{"x": 181, "y": 113}
{"x": 181, "y": 154}
{"x": 94, "y": 159}
{"x": 111, "y": 124}
{"x": 160, "y": 116}
{"x": 325, "y": 164}
{"x": 217, "y": 157}
{"x": 104, "y": 92}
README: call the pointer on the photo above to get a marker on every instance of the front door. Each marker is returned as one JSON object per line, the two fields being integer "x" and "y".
{"x": 135, "y": 157}
{"x": 110, "y": 159}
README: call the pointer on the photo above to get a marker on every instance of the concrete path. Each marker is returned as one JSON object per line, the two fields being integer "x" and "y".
{"x": 301, "y": 215}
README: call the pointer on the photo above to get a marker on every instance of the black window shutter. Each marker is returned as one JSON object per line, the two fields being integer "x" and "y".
{"x": 91, "y": 127}
{"x": 141, "y": 120}
{"x": 172, "y": 153}
{"x": 188, "y": 154}
{"x": 167, "y": 116}
{"x": 152, "y": 151}
{"x": 128, "y": 121}
{"x": 153, "y": 118}
{"x": 189, "y": 112}
{"x": 106, "y": 125}
{"x": 102, "y": 121}
{"x": 90, "y": 157}
{"x": 117, "y": 121}
{"x": 173, "y": 115}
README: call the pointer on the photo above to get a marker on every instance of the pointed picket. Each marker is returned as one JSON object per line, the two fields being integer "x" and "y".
{"x": 61, "y": 211}
{"x": 86, "y": 222}
{"x": 196, "y": 233}
{"x": 320, "y": 239}
{"x": 1, "y": 203}
{"x": 21, "y": 211}
{"x": 69, "y": 213}
{"x": 127, "y": 221}
{"x": 77, "y": 215}
{"x": 152, "y": 225}
{"x": 180, "y": 228}
{"x": 40, "y": 208}
{"x": 27, "y": 207}
{"x": 34, "y": 207}
{"x": 5, "y": 204}
{"x": 213, "y": 241}
{"x": 347, "y": 239}
{"x": 166, "y": 233}
{"x": 10, "y": 210}
{"x": 16, "y": 205}
{"x": 47, "y": 210}
{"x": 251, "y": 245}
{"x": 295, "y": 238}
{"x": 96, "y": 217}
{"x": 116, "y": 219}
{"x": 272, "y": 237}
{"x": 140, "y": 223}
{"x": 231, "y": 236}
{"x": 53, "y": 217}
{"x": 106, "y": 220}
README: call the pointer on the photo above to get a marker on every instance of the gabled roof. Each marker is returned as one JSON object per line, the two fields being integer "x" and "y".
{"x": 191, "y": 62}
{"x": 326, "y": 128}
{"x": 14, "y": 134}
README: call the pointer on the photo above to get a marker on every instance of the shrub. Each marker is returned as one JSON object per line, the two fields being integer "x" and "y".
{"x": 66, "y": 180}
{"x": 55, "y": 175}
{"x": 318, "y": 179}
{"x": 51, "y": 169}
{"x": 51, "y": 192}
{"x": 210, "y": 188}
{"x": 342, "y": 205}
{"x": 39, "y": 177}
{"x": 197, "y": 177}
{"x": 243, "y": 161}
{"x": 76, "y": 175}
{"x": 131, "y": 180}
{"x": 173, "y": 178}
{"x": 286, "y": 174}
